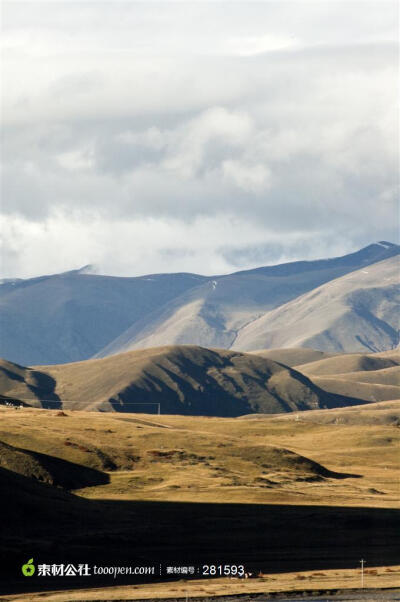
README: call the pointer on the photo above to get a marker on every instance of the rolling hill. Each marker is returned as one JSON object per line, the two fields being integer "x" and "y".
{"x": 182, "y": 379}
{"x": 351, "y": 363}
{"x": 370, "y": 377}
{"x": 77, "y": 315}
{"x": 293, "y": 356}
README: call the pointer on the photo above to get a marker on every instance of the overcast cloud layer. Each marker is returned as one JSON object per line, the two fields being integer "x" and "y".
{"x": 205, "y": 137}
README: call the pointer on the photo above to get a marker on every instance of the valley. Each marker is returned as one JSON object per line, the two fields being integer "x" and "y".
{"x": 250, "y": 418}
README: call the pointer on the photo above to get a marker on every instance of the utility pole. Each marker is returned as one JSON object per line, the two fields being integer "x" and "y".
{"x": 362, "y": 561}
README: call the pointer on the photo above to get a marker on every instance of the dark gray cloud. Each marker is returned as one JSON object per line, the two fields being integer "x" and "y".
{"x": 171, "y": 136}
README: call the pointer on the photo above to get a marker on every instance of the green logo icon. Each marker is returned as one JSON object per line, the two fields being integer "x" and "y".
{"x": 28, "y": 569}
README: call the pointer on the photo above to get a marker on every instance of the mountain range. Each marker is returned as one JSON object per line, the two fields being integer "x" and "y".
{"x": 342, "y": 304}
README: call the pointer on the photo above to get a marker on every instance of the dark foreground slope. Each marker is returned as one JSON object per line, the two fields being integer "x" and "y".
{"x": 53, "y": 526}
{"x": 49, "y": 469}
{"x": 273, "y": 493}
{"x": 179, "y": 379}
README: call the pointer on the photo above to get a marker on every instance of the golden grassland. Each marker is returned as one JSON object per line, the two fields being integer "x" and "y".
{"x": 309, "y": 487}
{"x": 204, "y": 459}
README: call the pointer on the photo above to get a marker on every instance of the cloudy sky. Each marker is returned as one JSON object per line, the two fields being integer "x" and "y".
{"x": 195, "y": 136}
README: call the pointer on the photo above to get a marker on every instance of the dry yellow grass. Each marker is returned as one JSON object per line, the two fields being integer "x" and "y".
{"x": 310, "y": 581}
{"x": 351, "y": 362}
{"x": 273, "y": 467}
{"x": 370, "y": 377}
{"x": 293, "y": 356}
{"x": 178, "y": 458}
{"x": 340, "y": 385}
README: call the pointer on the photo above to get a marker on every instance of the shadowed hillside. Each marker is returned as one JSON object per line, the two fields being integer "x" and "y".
{"x": 26, "y": 383}
{"x": 69, "y": 317}
{"x": 183, "y": 380}
{"x": 267, "y": 538}
{"x": 48, "y": 469}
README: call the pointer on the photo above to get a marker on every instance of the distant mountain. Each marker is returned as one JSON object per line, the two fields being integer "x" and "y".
{"x": 187, "y": 380}
{"x": 357, "y": 312}
{"x": 69, "y": 317}
{"x": 218, "y": 311}
{"x": 77, "y": 315}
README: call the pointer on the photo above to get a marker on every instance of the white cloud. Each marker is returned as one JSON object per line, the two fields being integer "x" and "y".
{"x": 76, "y": 159}
{"x": 252, "y": 45}
{"x": 281, "y": 115}
{"x": 205, "y": 245}
{"x": 253, "y": 178}
{"x": 189, "y": 147}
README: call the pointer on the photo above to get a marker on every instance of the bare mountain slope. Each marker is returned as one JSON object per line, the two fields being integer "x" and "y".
{"x": 194, "y": 318}
{"x": 70, "y": 316}
{"x": 184, "y": 380}
{"x": 357, "y": 312}
{"x": 216, "y": 312}
{"x": 75, "y": 315}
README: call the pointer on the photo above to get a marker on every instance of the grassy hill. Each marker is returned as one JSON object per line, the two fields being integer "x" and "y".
{"x": 352, "y": 362}
{"x": 186, "y": 379}
{"x": 371, "y": 377}
{"x": 293, "y": 356}
{"x": 368, "y": 377}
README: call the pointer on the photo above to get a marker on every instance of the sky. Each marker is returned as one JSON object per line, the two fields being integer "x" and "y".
{"x": 208, "y": 137}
